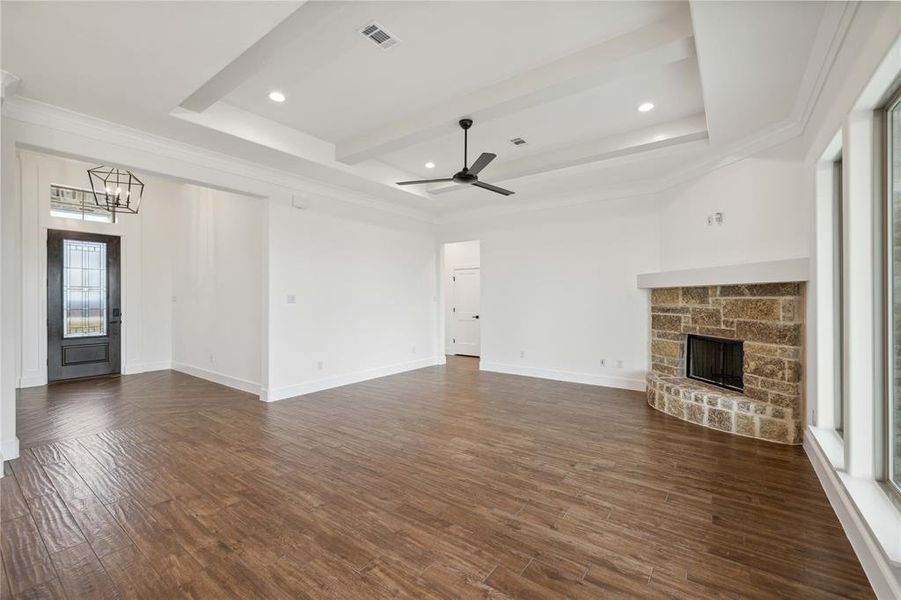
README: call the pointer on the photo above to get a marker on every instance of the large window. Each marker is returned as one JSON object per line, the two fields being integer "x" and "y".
{"x": 893, "y": 287}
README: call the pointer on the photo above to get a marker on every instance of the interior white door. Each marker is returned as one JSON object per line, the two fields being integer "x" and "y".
{"x": 467, "y": 330}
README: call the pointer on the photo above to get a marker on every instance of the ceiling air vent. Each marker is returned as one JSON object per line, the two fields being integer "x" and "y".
{"x": 517, "y": 141}
{"x": 377, "y": 34}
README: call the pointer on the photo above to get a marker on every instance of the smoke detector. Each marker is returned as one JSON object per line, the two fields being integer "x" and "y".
{"x": 379, "y": 35}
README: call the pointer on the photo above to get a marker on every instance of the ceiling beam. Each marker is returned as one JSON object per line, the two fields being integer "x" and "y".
{"x": 681, "y": 131}
{"x": 651, "y": 46}
{"x": 303, "y": 22}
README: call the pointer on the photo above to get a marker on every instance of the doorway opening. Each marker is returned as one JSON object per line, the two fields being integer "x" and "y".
{"x": 83, "y": 305}
{"x": 462, "y": 298}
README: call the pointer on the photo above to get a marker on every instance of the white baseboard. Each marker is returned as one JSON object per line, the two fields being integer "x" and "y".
{"x": 9, "y": 449}
{"x": 635, "y": 382}
{"x": 217, "y": 377}
{"x": 27, "y": 381}
{"x": 134, "y": 368}
{"x": 883, "y": 575}
{"x": 317, "y": 385}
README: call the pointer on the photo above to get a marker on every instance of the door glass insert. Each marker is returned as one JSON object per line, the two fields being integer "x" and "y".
{"x": 84, "y": 288}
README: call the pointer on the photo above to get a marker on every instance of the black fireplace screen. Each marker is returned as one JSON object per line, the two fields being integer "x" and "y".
{"x": 716, "y": 361}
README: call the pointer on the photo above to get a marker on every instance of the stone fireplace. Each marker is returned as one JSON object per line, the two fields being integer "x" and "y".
{"x": 769, "y": 319}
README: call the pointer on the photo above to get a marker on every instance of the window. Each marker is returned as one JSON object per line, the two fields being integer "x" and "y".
{"x": 84, "y": 288}
{"x": 893, "y": 287}
{"x": 74, "y": 203}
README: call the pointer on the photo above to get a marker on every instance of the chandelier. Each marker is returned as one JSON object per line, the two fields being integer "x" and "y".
{"x": 116, "y": 190}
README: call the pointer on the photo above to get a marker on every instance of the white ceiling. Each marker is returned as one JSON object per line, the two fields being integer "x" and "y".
{"x": 346, "y": 84}
{"x": 565, "y": 76}
{"x": 596, "y": 113}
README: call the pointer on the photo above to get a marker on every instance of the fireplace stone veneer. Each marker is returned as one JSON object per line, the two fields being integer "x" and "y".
{"x": 769, "y": 318}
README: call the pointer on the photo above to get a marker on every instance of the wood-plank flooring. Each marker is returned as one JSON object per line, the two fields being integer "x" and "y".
{"x": 438, "y": 483}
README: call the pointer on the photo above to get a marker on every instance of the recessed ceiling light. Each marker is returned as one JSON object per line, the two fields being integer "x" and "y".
{"x": 645, "y": 106}
{"x": 276, "y": 96}
{"x": 430, "y": 165}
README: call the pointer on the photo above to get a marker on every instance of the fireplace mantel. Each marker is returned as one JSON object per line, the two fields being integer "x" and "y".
{"x": 774, "y": 271}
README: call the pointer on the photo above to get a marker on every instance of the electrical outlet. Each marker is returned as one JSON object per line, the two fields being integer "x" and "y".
{"x": 619, "y": 364}
{"x": 292, "y": 299}
{"x": 319, "y": 365}
{"x": 522, "y": 353}
{"x": 212, "y": 359}
{"x": 603, "y": 362}
{"x": 715, "y": 219}
{"x": 413, "y": 350}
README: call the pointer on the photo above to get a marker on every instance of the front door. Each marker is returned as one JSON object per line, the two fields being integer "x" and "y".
{"x": 467, "y": 329}
{"x": 83, "y": 310}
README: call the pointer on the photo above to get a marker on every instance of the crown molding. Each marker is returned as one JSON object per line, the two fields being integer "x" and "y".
{"x": 830, "y": 36}
{"x": 9, "y": 83}
{"x": 41, "y": 114}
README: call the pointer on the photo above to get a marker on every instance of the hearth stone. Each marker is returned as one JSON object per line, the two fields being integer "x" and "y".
{"x": 721, "y": 409}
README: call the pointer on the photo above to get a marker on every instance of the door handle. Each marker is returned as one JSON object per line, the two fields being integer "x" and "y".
{"x": 475, "y": 316}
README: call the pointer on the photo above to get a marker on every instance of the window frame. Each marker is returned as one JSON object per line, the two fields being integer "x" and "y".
{"x": 889, "y": 438}
{"x": 840, "y": 406}
{"x": 78, "y": 216}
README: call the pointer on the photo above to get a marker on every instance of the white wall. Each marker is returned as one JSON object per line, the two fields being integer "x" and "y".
{"x": 559, "y": 291}
{"x": 457, "y": 255}
{"x": 198, "y": 245}
{"x": 146, "y": 255}
{"x": 766, "y": 215}
{"x": 217, "y": 288}
{"x": 366, "y": 299}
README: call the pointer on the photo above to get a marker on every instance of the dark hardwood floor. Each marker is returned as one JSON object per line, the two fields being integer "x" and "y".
{"x": 438, "y": 483}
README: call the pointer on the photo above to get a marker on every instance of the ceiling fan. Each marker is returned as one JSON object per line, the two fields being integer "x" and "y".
{"x": 469, "y": 175}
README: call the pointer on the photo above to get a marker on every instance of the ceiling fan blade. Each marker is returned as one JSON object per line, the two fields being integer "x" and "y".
{"x": 493, "y": 188}
{"x": 425, "y": 181}
{"x": 481, "y": 162}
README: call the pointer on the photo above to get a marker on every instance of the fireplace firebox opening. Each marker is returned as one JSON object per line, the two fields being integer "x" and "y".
{"x": 716, "y": 361}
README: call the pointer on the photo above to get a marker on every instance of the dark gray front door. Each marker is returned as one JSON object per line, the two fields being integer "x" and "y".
{"x": 83, "y": 310}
